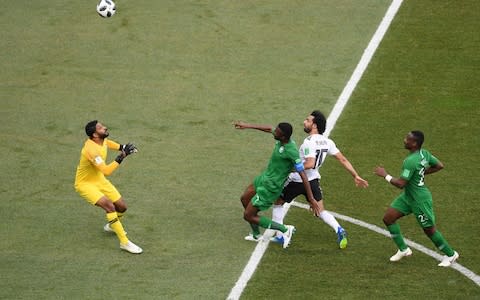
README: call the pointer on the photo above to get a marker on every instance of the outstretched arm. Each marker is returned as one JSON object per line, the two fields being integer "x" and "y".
{"x": 113, "y": 145}
{"x": 398, "y": 182}
{"x": 359, "y": 181}
{"x": 128, "y": 148}
{"x": 243, "y": 125}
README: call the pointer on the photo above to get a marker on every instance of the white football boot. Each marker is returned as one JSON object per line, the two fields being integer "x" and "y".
{"x": 447, "y": 261}
{"x": 131, "y": 247}
{"x": 401, "y": 254}
{"x": 287, "y": 235}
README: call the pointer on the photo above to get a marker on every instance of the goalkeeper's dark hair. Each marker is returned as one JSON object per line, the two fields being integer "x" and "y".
{"x": 91, "y": 127}
{"x": 418, "y": 136}
{"x": 286, "y": 129}
{"x": 319, "y": 120}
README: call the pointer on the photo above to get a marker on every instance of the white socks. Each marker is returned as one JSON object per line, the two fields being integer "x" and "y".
{"x": 329, "y": 219}
{"x": 278, "y": 214}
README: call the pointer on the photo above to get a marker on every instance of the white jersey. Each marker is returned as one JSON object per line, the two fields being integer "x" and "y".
{"x": 318, "y": 147}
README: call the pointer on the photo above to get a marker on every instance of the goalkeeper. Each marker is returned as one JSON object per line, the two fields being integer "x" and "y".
{"x": 91, "y": 184}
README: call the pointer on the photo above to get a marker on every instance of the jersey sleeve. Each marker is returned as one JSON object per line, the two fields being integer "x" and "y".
{"x": 293, "y": 154}
{"x": 296, "y": 160}
{"x": 332, "y": 148}
{"x": 408, "y": 169}
{"x": 97, "y": 161}
{"x": 432, "y": 160}
{"x": 113, "y": 145}
{"x": 308, "y": 148}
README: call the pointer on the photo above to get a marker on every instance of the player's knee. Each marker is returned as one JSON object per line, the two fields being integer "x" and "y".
{"x": 387, "y": 220}
{"x": 391, "y": 216}
{"x": 120, "y": 206}
{"x": 106, "y": 205}
{"x": 247, "y": 217}
{"x": 429, "y": 231}
{"x": 245, "y": 200}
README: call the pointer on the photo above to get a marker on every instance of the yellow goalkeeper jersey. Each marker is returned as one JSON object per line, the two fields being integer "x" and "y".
{"x": 92, "y": 166}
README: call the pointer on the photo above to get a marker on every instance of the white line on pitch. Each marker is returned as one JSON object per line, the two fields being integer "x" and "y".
{"x": 464, "y": 271}
{"x": 260, "y": 249}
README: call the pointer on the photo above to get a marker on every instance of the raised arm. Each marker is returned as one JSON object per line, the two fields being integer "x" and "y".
{"x": 243, "y": 125}
{"x": 359, "y": 181}
{"x": 113, "y": 145}
{"x": 107, "y": 170}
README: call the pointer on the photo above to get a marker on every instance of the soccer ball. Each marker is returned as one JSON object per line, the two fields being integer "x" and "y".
{"x": 106, "y": 8}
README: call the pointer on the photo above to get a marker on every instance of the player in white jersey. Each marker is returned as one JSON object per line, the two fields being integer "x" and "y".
{"x": 317, "y": 147}
{"x": 313, "y": 151}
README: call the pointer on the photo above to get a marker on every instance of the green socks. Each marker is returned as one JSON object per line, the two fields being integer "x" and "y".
{"x": 269, "y": 224}
{"x": 442, "y": 245}
{"x": 437, "y": 239}
{"x": 255, "y": 230}
{"x": 397, "y": 237}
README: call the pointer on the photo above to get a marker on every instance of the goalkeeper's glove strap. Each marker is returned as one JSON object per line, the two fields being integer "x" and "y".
{"x": 119, "y": 159}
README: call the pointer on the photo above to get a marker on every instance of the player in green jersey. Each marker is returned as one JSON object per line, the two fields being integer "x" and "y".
{"x": 415, "y": 198}
{"x": 266, "y": 187}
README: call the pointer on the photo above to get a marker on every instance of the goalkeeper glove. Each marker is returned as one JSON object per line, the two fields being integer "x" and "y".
{"x": 128, "y": 148}
{"x": 120, "y": 157}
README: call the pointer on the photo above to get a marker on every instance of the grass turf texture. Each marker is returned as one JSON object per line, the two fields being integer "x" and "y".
{"x": 171, "y": 77}
{"x": 424, "y": 76}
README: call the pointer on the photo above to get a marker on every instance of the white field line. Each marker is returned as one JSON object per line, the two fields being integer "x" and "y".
{"x": 362, "y": 65}
{"x": 261, "y": 247}
{"x": 464, "y": 271}
{"x": 253, "y": 262}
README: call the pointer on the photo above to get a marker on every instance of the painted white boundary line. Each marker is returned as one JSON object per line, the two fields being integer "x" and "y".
{"x": 252, "y": 264}
{"x": 261, "y": 247}
{"x": 362, "y": 65}
{"x": 464, "y": 271}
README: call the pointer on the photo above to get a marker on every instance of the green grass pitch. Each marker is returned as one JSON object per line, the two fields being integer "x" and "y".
{"x": 171, "y": 76}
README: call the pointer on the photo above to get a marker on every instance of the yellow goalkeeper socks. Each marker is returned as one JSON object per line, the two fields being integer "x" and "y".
{"x": 120, "y": 215}
{"x": 117, "y": 227}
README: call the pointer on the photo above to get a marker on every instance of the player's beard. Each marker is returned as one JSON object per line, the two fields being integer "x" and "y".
{"x": 104, "y": 135}
{"x": 307, "y": 130}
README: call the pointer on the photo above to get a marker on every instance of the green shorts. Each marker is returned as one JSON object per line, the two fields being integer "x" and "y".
{"x": 422, "y": 209}
{"x": 264, "y": 198}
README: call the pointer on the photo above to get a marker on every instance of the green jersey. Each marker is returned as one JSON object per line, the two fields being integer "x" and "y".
{"x": 282, "y": 162}
{"x": 413, "y": 171}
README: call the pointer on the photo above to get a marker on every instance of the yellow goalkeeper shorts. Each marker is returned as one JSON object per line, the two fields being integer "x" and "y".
{"x": 93, "y": 191}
